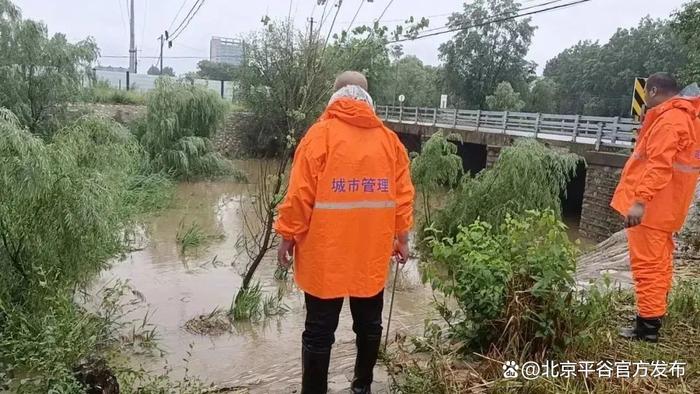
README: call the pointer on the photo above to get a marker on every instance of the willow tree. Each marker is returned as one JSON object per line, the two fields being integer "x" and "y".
{"x": 177, "y": 129}
{"x": 437, "y": 166}
{"x": 527, "y": 176}
{"x": 62, "y": 211}
{"x": 39, "y": 73}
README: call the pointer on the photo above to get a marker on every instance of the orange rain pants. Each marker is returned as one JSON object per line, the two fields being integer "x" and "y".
{"x": 661, "y": 174}
{"x": 651, "y": 259}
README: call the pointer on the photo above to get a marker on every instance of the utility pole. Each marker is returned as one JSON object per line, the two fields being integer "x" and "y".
{"x": 311, "y": 30}
{"x": 132, "y": 41}
{"x": 161, "y": 54}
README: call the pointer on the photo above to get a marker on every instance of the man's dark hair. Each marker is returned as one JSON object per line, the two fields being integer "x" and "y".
{"x": 664, "y": 83}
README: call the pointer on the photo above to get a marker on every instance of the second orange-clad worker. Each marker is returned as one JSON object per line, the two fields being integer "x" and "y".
{"x": 655, "y": 193}
{"x": 348, "y": 208}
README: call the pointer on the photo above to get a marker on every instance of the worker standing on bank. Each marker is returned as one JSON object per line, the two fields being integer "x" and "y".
{"x": 655, "y": 193}
{"x": 349, "y": 206}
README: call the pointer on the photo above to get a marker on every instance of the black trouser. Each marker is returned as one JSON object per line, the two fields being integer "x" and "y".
{"x": 319, "y": 335}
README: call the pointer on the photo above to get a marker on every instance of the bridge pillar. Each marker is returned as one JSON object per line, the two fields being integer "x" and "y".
{"x": 598, "y": 220}
{"x": 492, "y": 153}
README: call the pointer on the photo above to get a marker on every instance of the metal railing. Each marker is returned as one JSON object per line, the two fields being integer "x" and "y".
{"x": 593, "y": 130}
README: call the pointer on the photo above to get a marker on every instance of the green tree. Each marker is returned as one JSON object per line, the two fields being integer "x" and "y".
{"x": 38, "y": 73}
{"x": 596, "y": 79}
{"x": 217, "y": 71}
{"x": 543, "y": 96}
{"x": 480, "y": 57}
{"x": 437, "y": 166}
{"x": 177, "y": 128}
{"x": 153, "y": 70}
{"x": 686, "y": 25}
{"x": 63, "y": 203}
{"x": 275, "y": 81}
{"x": 416, "y": 81}
{"x": 504, "y": 99}
{"x": 367, "y": 49}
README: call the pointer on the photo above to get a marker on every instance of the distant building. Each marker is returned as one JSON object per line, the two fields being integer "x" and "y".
{"x": 226, "y": 50}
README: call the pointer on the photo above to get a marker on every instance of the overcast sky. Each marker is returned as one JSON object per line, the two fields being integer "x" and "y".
{"x": 107, "y": 21}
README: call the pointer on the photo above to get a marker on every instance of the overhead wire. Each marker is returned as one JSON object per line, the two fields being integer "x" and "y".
{"x": 177, "y": 14}
{"x": 362, "y": 2}
{"x": 158, "y": 57}
{"x": 488, "y": 22}
{"x": 502, "y": 14}
{"x": 143, "y": 22}
{"x": 121, "y": 14}
{"x": 176, "y": 35}
{"x": 385, "y": 9}
{"x": 182, "y": 22}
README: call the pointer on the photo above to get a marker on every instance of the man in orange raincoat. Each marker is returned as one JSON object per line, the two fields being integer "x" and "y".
{"x": 655, "y": 193}
{"x": 349, "y": 206}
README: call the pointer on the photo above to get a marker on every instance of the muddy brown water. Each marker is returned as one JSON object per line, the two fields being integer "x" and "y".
{"x": 263, "y": 356}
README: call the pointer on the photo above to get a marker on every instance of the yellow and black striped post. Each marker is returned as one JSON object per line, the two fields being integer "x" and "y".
{"x": 638, "y": 98}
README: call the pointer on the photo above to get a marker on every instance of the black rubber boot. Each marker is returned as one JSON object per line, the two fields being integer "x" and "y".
{"x": 314, "y": 367}
{"x": 644, "y": 329}
{"x": 367, "y": 353}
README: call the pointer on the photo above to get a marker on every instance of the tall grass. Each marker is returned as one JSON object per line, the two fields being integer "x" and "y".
{"x": 190, "y": 237}
{"x": 102, "y": 93}
{"x": 248, "y": 304}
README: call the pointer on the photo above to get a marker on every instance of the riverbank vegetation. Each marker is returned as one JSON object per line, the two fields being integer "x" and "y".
{"x": 72, "y": 185}
{"x": 101, "y": 92}
{"x": 498, "y": 252}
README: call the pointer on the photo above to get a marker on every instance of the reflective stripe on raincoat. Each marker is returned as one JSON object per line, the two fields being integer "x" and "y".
{"x": 350, "y": 194}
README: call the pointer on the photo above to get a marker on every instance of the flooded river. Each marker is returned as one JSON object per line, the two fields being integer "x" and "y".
{"x": 263, "y": 356}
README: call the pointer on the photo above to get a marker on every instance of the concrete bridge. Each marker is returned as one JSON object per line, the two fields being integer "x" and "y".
{"x": 603, "y": 143}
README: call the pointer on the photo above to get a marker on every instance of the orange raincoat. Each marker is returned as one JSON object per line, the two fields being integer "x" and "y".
{"x": 350, "y": 194}
{"x": 662, "y": 174}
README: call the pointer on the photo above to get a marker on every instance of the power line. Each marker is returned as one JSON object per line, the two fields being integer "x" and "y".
{"x": 176, "y": 35}
{"x": 461, "y": 28}
{"x": 177, "y": 14}
{"x": 330, "y": 31}
{"x": 362, "y": 2}
{"x": 502, "y": 14}
{"x": 177, "y": 29}
{"x": 164, "y": 57}
{"x": 384, "y": 12}
{"x": 143, "y": 23}
{"x": 121, "y": 13}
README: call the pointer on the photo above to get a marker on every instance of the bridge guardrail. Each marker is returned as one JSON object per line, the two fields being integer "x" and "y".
{"x": 594, "y": 130}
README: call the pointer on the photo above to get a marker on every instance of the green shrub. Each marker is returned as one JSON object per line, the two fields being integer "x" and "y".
{"x": 40, "y": 347}
{"x": 62, "y": 202}
{"x": 514, "y": 288}
{"x": 526, "y": 176}
{"x": 177, "y": 129}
